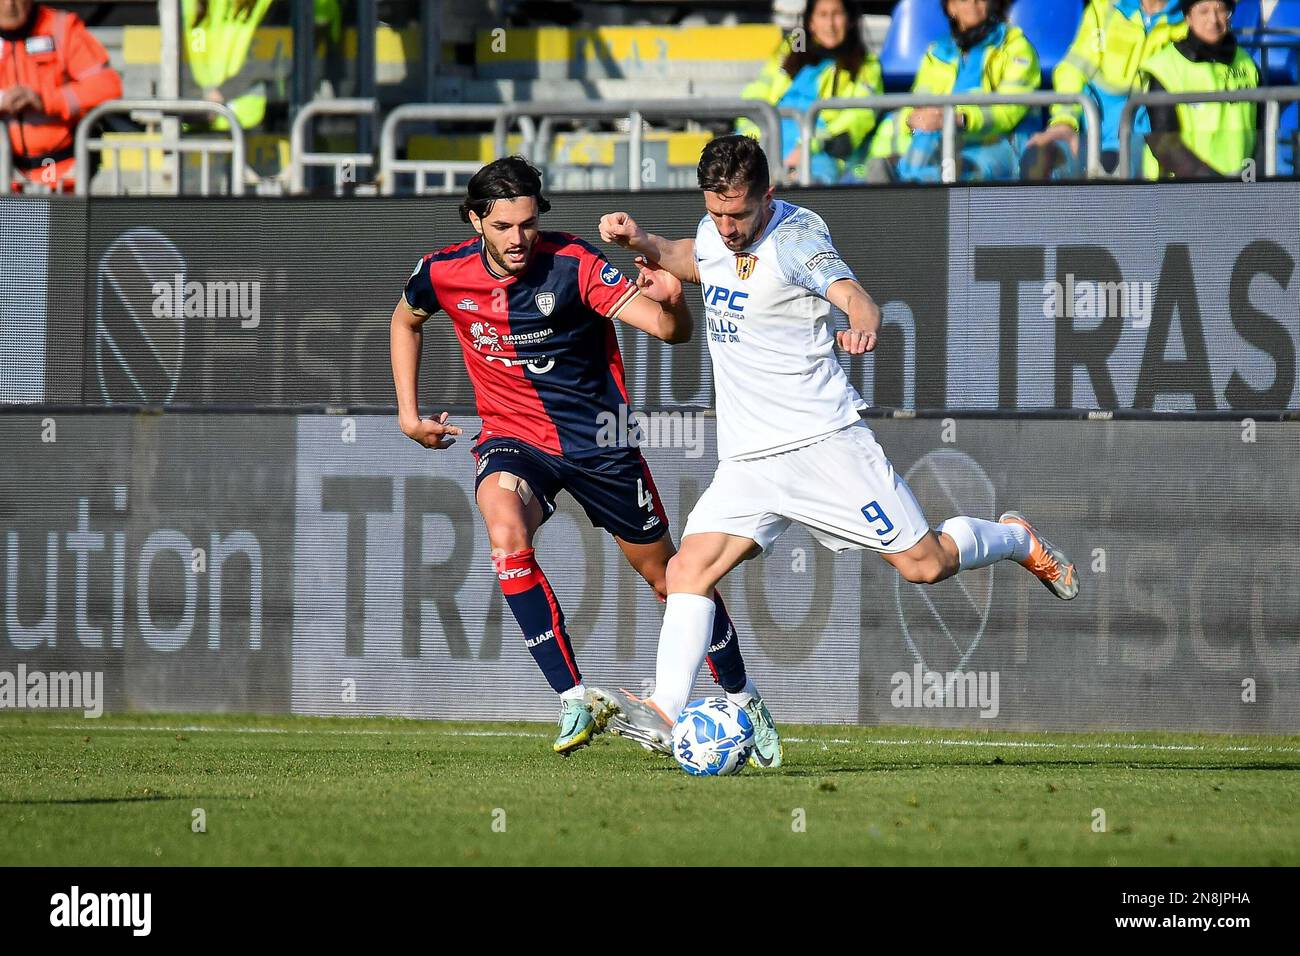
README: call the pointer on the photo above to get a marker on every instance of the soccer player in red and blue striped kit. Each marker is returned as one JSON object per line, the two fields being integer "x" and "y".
{"x": 533, "y": 312}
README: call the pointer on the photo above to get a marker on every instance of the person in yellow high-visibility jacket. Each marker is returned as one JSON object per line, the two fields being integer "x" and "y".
{"x": 826, "y": 58}
{"x": 984, "y": 54}
{"x": 1201, "y": 139}
{"x": 1113, "y": 39}
{"x": 218, "y": 36}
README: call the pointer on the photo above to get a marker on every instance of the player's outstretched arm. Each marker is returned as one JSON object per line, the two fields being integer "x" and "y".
{"x": 676, "y": 256}
{"x": 405, "y": 337}
{"x": 660, "y": 310}
{"x": 864, "y": 316}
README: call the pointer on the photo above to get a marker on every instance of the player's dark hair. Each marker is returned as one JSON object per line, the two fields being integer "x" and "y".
{"x": 511, "y": 177}
{"x": 733, "y": 161}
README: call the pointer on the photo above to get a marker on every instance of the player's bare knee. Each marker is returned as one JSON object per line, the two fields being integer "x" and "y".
{"x": 509, "y": 536}
{"x": 924, "y": 571}
{"x": 686, "y": 573}
{"x": 676, "y": 574}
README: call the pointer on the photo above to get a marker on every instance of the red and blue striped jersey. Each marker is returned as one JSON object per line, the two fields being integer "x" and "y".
{"x": 539, "y": 347}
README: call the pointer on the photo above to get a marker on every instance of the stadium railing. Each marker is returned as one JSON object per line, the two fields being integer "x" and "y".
{"x": 949, "y": 103}
{"x": 6, "y": 162}
{"x": 1278, "y": 41}
{"x": 636, "y": 112}
{"x": 1270, "y": 96}
{"x": 169, "y": 139}
{"x": 390, "y": 167}
{"x": 300, "y": 157}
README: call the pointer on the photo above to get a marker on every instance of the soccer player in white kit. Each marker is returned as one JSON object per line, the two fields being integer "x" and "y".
{"x": 791, "y": 444}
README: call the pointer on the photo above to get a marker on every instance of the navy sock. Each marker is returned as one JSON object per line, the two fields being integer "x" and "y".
{"x": 725, "y": 662}
{"x": 534, "y": 606}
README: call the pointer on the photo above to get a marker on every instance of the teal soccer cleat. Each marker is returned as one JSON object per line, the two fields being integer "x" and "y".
{"x": 577, "y": 726}
{"x": 767, "y": 751}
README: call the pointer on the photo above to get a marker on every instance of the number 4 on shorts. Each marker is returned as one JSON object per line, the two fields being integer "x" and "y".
{"x": 643, "y": 497}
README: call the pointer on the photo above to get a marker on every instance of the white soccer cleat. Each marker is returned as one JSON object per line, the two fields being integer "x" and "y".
{"x": 636, "y": 719}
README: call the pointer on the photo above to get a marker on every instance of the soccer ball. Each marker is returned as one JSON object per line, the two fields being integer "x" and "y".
{"x": 712, "y": 738}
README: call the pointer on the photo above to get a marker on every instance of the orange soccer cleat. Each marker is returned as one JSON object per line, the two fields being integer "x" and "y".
{"x": 1046, "y": 562}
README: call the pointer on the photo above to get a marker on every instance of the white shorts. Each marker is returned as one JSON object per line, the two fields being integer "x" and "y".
{"x": 842, "y": 489}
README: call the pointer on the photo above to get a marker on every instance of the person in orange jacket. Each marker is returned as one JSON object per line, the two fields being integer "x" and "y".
{"x": 52, "y": 72}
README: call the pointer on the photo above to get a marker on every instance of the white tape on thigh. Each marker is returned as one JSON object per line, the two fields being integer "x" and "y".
{"x": 516, "y": 484}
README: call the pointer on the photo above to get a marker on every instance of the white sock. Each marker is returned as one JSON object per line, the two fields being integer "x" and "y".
{"x": 574, "y": 693}
{"x": 683, "y": 642}
{"x": 981, "y": 543}
{"x": 743, "y": 696}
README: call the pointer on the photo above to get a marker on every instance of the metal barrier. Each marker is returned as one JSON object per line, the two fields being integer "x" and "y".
{"x": 300, "y": 158}
{"x": 6, "y": 161}
{"x": 168, "y": 140}
{"x": 1270, "y": 96}
{"x": 501, "y": 116}
{"x": 948, "y": 169}
{"x": 637, "y": 112}
{"x": 390, "y": 166}
{"x": 1278, "y": 39}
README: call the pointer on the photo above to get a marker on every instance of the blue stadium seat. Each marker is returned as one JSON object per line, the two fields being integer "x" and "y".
{"x": 1286, "y": 14}
{"x": 1050, "y": 28}
{"x": 1279, "y": 34}
{"x": 1246, "y": 16}
{"x": 1288, "y": 125}
{"x": 915, "y": 25}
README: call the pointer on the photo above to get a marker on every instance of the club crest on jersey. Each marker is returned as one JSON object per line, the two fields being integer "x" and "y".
{"x": 485, "y": 336}
{"x": 745, "y": 262}
{"x": 545, "y": 302}
{"x": 610, "y": 275}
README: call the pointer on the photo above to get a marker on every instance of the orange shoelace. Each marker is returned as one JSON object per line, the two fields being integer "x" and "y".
{"x": 1041, "y": 563}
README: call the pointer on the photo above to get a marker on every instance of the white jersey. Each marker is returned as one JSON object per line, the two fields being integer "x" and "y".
{"x": 771, "y": 340}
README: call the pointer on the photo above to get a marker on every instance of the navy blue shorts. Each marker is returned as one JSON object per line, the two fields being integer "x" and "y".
{"x": 614, "y": 489}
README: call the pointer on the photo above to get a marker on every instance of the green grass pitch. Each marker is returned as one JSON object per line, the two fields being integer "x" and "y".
{"x": 122, "y": 790}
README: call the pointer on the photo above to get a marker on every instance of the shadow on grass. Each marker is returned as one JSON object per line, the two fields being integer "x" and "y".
{"x": 52, "y": 801}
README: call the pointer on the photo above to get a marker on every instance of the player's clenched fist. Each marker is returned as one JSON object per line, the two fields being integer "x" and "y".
{"x": 431, "y": 432}
{"x": 856, "y": 342}
{"x": 657, "y": 284}
{"x": 620, "y": 228}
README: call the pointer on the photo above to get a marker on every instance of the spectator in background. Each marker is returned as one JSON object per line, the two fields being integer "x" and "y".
{"x": 218, "y": 36}
{"x": 52, "y": 72}
{"x": 1201, "y": 139}
{"x": 826, "y": 58}
{"x": 984, "y": 54}
{"x": 1114, "y": 38}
